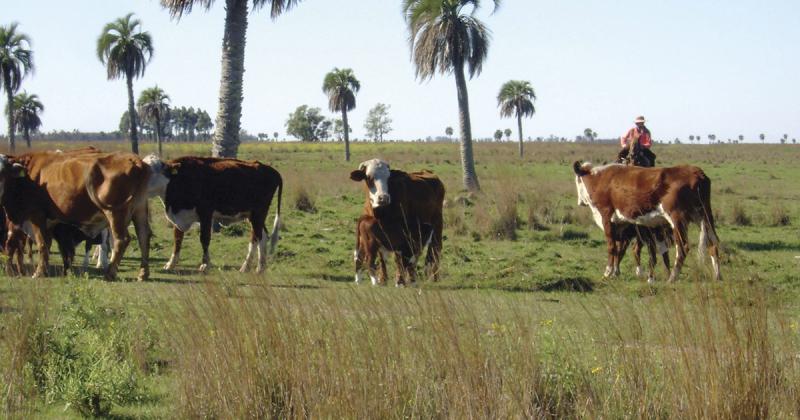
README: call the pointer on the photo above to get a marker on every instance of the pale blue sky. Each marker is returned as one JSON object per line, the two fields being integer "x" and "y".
{"x": 690, "y": 66}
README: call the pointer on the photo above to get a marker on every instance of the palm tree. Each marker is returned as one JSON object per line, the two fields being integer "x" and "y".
{"x": 125, "y": 51}
{"x": 229, "y": 114}
{"x": 16, "y": 62}
{"x": 516, "y": 99}
{"x": 445, "y": 36}
{"x": 762, "y": 137}
{"x": 341, "y": 87}
{"x": 448, "y": 132}
{"x": 26, "y": 114}
{"x": 153, "y": 104}
{"x": 589, "y": 134}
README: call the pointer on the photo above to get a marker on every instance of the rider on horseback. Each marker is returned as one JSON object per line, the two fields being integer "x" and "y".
{"x": 636, "y": 145}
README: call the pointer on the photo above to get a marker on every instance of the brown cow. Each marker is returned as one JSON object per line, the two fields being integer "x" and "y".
{"x": 87, "y": 189}
{"x": 373, "y": 240}
{"x": 651, "y": 197}
{"x": 204, "y": 189}
{"x": 400, "y": 200}
{"x": 656, "y": 240}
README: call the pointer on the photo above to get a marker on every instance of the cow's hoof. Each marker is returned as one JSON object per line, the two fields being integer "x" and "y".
{"x": 169, "y": 266}
{"x": 144, "y": 274}
{"x": 38, "y": 274}
{"x": 651, "y": 280}
{"x": 259, "y": 269}
{"x": 110, "y": 276}
{"x": 639, "y": 272}
{"x": 244, "y": 269}
{"x": 203, "y": 268}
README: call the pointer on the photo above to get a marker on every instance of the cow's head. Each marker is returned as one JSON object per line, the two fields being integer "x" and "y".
{"x": 161, "y": 173}
{"x": 375, "y": 172}
{"x": 581, "y": 170}
{"x": 8, "y": 171}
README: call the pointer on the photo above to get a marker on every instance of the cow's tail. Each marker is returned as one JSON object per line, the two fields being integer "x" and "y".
{"x": 90, "y": 178}
{"x": 276, "y": 226}
{"x": 708, "y": 231}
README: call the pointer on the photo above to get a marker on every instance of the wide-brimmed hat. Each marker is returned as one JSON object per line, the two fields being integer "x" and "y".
{"x": 639, "y": 119}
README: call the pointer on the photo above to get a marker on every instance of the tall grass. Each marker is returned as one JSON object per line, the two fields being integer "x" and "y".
{"x": 254, "y": 352}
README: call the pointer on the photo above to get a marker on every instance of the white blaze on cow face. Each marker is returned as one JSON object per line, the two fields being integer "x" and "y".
{"x": 377, "y": 178}
{"x": 157, "y": 185}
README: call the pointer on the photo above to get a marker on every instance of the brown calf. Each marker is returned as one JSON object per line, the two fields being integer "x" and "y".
{"x": 373, "y": 240}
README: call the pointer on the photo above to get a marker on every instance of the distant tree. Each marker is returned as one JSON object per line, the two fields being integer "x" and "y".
{"x": 307, "y": 124}
{"x": 341, "y": 86}
{"x": 26, "y": 114}
{"x": 449, "y": 132}
{"x": 785, "y": 138}
{"x": 338, "y": 129}
{"x": 16, "y": 62}
{"x": 588, "y": 133}
{"x": 516, "y": 98}
{"x": 446, "y": 37}
{"x": 762, "y": 137}
{"x": 125, "y": 50}
{"x": 275, "y": 134}
{"x": 508, "y": 133}
{"x": 691, "y": 139}
{"x": 204, "y": 123}
{"x": 229, "y": 113}
{"x": 741, "y": 137}
{"x": 794, "y": 141}
{"x": 498, "y": 135}
{"x": 378, "y": 122}
{"x": 153, "y": 105}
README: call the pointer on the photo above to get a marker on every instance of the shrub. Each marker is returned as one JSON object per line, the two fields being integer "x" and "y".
{"x": 86, "y": 356}
{"x": 507, "y": 221}
{"x": 303, "y": 201}
{"x": 779, "y": 216}
{"x": 738, "y": 215}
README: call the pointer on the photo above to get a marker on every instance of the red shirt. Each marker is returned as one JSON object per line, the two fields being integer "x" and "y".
{"x": 644, "y": 137}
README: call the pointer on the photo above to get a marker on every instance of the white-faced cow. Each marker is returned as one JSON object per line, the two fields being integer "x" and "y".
{"x": 84, "y": 188}
{"x": 373, "y": 241}
{"x": 401, "y": 201}
{"x": 650, "y": 197}
{"x": 204, "y": 189}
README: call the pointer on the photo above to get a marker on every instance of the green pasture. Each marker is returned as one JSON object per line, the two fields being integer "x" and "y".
{"x": 521, "y": 299}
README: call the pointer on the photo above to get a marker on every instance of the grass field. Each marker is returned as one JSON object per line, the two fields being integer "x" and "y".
{"x": 520, "y": 325}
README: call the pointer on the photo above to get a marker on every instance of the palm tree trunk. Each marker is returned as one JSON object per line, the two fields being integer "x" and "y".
{"x": 132, "y": 114}
{"x": 158, "y": 134}
{"x": 519, "y": 130}
{"x": 470, "y": 177}
{"x": 27, "y": 134}
{"x": 10, "y": 99}
{"x": 346, "y": 135}
{"x": 229, "y": 115}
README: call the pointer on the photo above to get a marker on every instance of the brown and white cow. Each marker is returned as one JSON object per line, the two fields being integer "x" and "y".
{"x": 652, "y": 197}
{"x": 204, "y": 189}
{"x": 656, "y": 239}
{"x": 373, "y": 241}
{"x": 86, "y": 189}
{"x": 401, "y": 200}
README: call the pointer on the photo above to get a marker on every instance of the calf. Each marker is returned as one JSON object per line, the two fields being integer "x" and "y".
{"x": 68, "y": 237}
{"x": 400, "y": 199}
{"x": 374, "y": 240}
{"x": 202, "y": 189}
{"x": 656, "y": 239}
{"x": 651, "y": 197}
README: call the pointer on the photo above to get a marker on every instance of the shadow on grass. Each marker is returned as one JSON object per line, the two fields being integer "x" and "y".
{"x": 766, "y": 246}
{"x": 573, "y": 284}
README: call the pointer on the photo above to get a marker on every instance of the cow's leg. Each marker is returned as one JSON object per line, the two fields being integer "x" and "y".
{"x": 177, "y": 243}
{"x": 434, "y": 254}
{"x": 258, "y": 235}
{"x": 87, "y": 250}
{"x": 652, "y": 249}
{"x": 679, "y": 235}
{"x": 611, "y": 246}
{"x": 384, "y": 255}
{"x": 622, "y": 247}
{"x": 15, "y": 249}
{"x": 141, "y": 222}
{"x": 42, "y": 239}
{"x": 399, "y": 274}
{"x": 206, "y": 222}
{"x": 118, "y": 224}
{"x": 104, "y": 249}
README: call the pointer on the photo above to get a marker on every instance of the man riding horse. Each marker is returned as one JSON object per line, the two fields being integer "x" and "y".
{"x": 636, "y": 145}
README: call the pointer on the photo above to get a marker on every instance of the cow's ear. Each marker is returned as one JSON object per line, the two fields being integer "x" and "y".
{"x": 18, "y": 171}
{"x": 579, "y": 169}
{"x": 358, "y": 175}
{"x": 172, "y": 170}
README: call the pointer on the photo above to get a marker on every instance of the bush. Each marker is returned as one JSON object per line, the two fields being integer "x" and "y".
{"x": 738, "y": 215}
{"x": 779, "y": 216}
{"x": 507, "y": 221}
{"x": 303, "y": 201}
{"x": 86, "y": 356}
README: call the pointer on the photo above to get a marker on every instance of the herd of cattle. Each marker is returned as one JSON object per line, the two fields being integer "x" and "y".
{"x": 93, "y": 196}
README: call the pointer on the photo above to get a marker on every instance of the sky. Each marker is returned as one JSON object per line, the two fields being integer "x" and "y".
{"x": 691, "y": 67}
